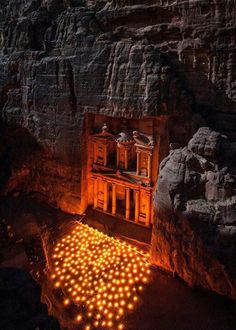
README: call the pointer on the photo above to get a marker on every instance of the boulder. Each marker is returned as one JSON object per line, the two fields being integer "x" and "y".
{"x": 194, "y": 206}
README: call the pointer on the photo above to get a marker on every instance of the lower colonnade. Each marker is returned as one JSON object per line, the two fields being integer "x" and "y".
{"x": 130, "y": 201}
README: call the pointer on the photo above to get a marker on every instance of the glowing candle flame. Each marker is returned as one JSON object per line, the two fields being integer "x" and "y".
{"x": 100, "y": 273}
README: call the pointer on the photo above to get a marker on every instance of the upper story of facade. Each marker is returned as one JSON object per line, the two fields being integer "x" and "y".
{"x": 129, "y": 152}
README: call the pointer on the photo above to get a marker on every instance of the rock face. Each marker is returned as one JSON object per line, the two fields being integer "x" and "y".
{"x": 20, "y": 302}
{"x": 61, "y": 60}
{"x": 194, "y": 234}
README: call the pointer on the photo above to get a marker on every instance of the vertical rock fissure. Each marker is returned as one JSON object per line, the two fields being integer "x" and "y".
{"x": 72, "y": 88}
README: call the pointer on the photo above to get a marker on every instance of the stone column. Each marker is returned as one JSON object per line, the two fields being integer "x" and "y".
{"x": 126, "y": 159}
{"x": 95, "y": 193}
{"x": 95, "y": 152}
{"x": 127, "y": 203}
{"x": 113, "y": 199}
{"x": 138, "y": 163}
{"x": 117, "y": 157}
{"x": 105, "y": 196}
{"x": 136, "y": 218}
{"x": 105, "y": 154}
{"x": 147, "y": 221}
{"x": 149, "y": 166}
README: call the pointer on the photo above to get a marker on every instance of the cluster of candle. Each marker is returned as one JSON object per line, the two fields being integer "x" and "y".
{"x": 102, "y": 276}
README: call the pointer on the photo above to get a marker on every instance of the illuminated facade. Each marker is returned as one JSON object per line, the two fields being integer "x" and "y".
{"x": 121, "y": 173}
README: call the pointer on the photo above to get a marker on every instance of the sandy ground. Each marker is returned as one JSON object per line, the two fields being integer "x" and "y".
{"x": 168, "y": 304}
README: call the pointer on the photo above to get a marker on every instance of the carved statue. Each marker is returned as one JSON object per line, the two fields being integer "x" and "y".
{"x": 144, "y": 166}
{"x": 104, "y": 128}
{"x": 100, "y": 158}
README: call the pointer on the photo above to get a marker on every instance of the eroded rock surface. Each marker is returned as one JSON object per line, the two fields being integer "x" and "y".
{"x": 172, "y": 59}
{"x": 20, "y": 302}
{"x": 194, "y": 234}
{"x": 61, "y": 59}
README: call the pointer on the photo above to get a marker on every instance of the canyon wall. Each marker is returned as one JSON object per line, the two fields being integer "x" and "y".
{"x": 62, "y": 59}
{"x": 194, "y": 234}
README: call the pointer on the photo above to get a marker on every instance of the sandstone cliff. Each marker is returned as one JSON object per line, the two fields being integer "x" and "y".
{"x": 62, "y": 59}
{"x": 195, "y": 219}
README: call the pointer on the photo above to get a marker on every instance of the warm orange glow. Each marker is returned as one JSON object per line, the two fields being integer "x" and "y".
{"x": 102, "y": 276}
{"x": 79, "y": 318}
